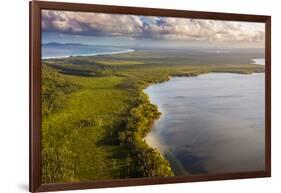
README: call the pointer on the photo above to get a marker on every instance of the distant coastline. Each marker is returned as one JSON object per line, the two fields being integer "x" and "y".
{"x": 216, "y": 51}
{"x": 53, "y": 50}
{"x": 122, "y": 96}
{"x": 93, "y": 54}
{"x": 260, "y": 61}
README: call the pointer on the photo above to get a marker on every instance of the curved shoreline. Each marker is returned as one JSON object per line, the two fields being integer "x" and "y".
{"x": 137, "y": 119}
{"x": 94, "y": 54}
{"x": 169, "y": 77}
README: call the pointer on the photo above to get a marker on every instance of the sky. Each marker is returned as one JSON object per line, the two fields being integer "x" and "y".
{"x": 148, "y": 31}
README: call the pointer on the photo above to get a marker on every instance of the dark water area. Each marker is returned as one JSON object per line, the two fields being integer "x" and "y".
{"x": 212, "y": 123}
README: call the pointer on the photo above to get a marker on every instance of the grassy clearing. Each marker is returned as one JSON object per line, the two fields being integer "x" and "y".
{"x": 94, "y": 120}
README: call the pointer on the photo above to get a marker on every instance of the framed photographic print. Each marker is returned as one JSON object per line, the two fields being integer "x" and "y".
{"x": 123, "y": 96}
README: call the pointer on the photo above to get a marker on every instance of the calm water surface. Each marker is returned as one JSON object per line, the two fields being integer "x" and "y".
{"x": 212, "y": 123}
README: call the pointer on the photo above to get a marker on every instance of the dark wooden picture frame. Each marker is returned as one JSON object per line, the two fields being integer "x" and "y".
{"x": 35, "y": 94}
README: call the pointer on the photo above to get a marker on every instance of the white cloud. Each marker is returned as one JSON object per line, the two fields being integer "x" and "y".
{"x": 131, "y": 26}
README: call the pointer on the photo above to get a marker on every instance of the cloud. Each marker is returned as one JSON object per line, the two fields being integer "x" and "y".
{"x": 95, "y": 24}
{"x": 148, "y": 27}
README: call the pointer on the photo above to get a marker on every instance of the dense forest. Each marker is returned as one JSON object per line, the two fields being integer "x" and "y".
{"x": 95, "y": 114}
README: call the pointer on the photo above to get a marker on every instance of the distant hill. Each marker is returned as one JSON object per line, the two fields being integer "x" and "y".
{"x": 63, "y": 44}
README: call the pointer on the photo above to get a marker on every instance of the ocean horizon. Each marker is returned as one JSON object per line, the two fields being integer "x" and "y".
{"x": 58, "y": 50}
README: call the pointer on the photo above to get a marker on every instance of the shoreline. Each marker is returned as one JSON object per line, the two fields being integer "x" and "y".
{"x": 94, "y": 54}
{"x": 139, "y": 116}
{"x": 258, "y": 61}
{"x": 169, "y": 77}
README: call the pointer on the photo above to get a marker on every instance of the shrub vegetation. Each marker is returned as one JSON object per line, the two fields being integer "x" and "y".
{"x": 95, "y": 115}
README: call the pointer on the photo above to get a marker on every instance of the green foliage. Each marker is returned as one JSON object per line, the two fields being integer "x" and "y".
{"x": 145, "y": 161}
{"x": 117, "y": 62}
{"x": 54, "y": 90}
{"x": 78, "y": 139}
{"x": 151, "y": 164}
{"x": 95, "y": 118}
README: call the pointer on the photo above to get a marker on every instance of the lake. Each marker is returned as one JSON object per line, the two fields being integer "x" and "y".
{"x": 211, "y": 123}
